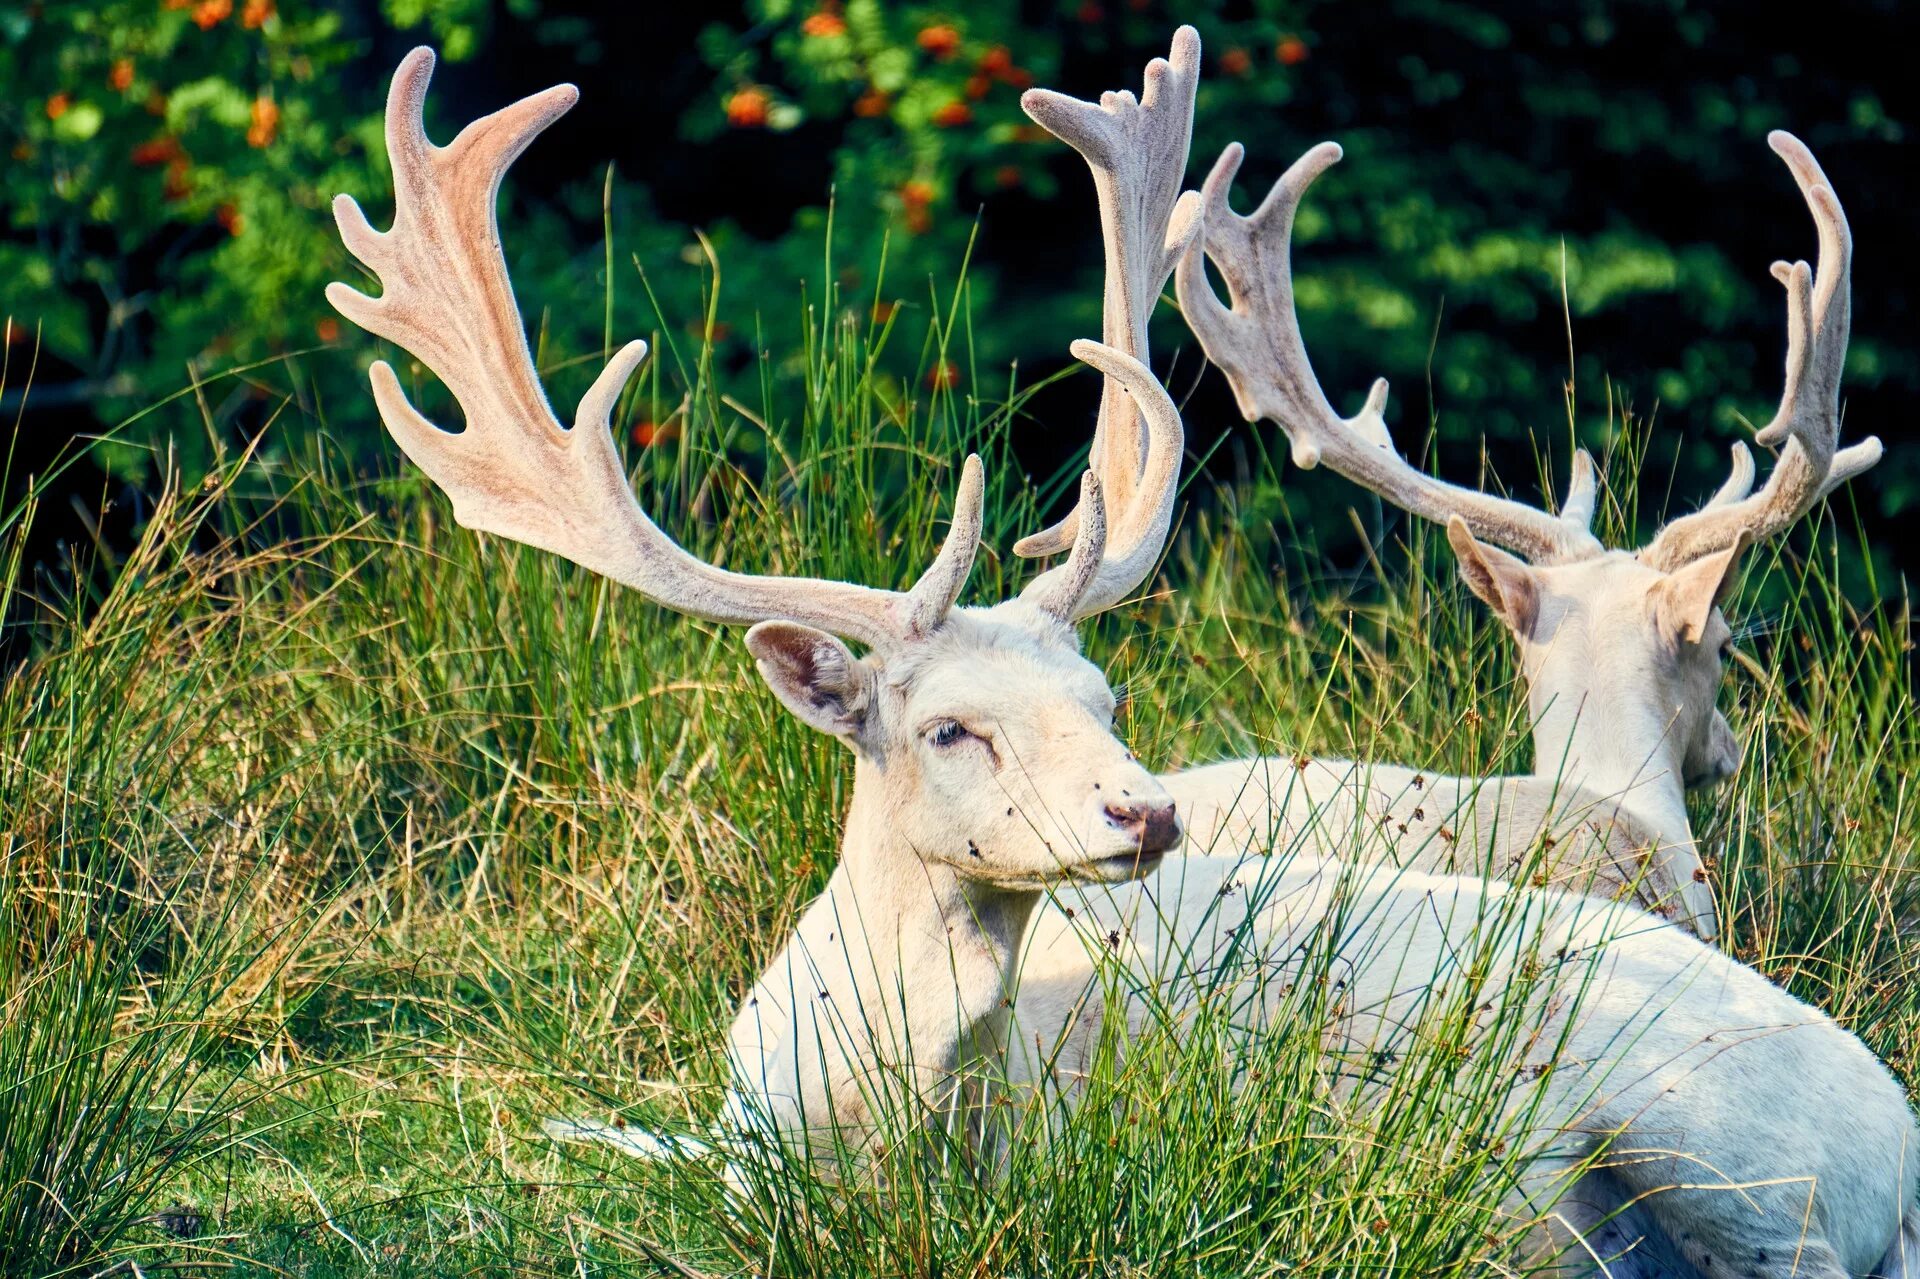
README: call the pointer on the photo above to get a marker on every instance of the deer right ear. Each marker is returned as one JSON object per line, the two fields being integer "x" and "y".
{"x": 1686, "y": 598}
{"x": 814, "y": 676}
{"x": 1504, "y": 583}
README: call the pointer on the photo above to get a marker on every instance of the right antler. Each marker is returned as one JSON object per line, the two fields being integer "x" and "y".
{"x": 1137, "y": 150}
{"x": 1257, "y": 344}
{"x": 1811, "y": 464}
{"x": 515, "y": 471}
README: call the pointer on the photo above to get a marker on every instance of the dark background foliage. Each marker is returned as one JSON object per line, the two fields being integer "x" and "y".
{"x": 170, "y": 162}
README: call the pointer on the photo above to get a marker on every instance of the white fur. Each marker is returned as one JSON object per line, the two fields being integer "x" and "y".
{"x": 936, "y": 941}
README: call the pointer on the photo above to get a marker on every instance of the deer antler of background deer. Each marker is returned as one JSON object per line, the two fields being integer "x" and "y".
{"x": 1137, "y": 150}
{"x": 516, "y": 472}
{"x": 1257, "y": 343}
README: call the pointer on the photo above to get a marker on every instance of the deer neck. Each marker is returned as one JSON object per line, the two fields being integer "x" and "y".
{"x": 1624, "y": 751}
{"x": 901, "y": 968}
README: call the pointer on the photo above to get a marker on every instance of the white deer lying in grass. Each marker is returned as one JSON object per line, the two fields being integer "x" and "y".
{"x": 1623, "y": 652}
{"x": 1594, "y": 832}
{"x": 1600, "y": 805}
{"x": 987, "y": 773}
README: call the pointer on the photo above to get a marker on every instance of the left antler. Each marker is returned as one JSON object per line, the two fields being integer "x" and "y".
{"x": 515, "y": 471}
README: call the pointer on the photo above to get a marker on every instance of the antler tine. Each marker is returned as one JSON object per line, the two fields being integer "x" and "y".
{"x": 515, "y": 471}
{"x": 940, "y": 586}
{"x": 1807, "y": 424}
{"x": 1137, "y": 151}
{"x": 1131, "y": 543}
{"x": 1059, "y": 592}
{"x": 1255, "y": 339}
{"x": 1740, "y": 477}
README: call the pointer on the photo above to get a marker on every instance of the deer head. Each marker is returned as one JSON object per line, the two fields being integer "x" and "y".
{"x": 984, "y": 738}
{"x": 1623, "y": 651}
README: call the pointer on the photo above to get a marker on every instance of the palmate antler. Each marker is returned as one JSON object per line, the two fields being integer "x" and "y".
{"x": 1257, "y": 344}
{"x": 1137, "y": 150}
{"x": 516, "y": 472}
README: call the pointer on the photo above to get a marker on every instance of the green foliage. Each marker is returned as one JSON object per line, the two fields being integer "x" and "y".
{"x": 1501, "y": 160}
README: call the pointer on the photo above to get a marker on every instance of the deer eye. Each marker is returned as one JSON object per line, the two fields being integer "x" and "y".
{"x": 947, "y": 732}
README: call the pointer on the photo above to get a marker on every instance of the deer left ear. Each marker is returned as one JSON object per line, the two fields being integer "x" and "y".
{"x": 1685, "y": 600}
{"x": 1503, "y": 582}
{"x": 814, "y": 676}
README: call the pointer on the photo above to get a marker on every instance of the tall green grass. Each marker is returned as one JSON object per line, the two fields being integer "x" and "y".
{"x": 342, "y": 846}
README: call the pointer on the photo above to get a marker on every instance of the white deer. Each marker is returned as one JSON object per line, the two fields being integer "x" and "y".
{"x": 987, "y": 774}
{"x": 1623, "y": 652}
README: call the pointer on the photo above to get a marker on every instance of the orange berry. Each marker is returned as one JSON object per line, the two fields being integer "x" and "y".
{"x": 997, "y": 61}
{"x": 266, "y": 123}
{"x": 883, "y": 311}
{"x": 1236, "y": 62}
{"x": 916, "y": 194}
{"x": 230, "y": 219}
{"x": 977, "y": 86}
{"x": 1291, "y": 51}
{"x": 871, "y": 103}
{"x": 747, "y": 109}
{"x": 255, "y": 15}
{"x": 161, "y": 150}
{"x": 824, "y": 25}
{"x": 328, "y": 329}
{"x": 943, "y": 376}
{"x": 1007, "y": 176}
{"x": 941, "y": 40}
{"x": 919, "y": 221}
{"x": 952, "y": 115}
{"x": 209, "y": 14}
{"x": 120, "y": 79}
{"x": 1090, "y": 13}
{"x": 176, "y": 186}
{"x": 58, "y": 105}
{"x": 647, "y": 434}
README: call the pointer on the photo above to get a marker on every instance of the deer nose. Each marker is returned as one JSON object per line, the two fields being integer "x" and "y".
{"x": 1153, "y": 825}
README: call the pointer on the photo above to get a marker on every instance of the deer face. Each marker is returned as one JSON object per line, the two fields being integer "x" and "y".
{"x": 1631, "y": 657}
{"x": 991, "y": 743}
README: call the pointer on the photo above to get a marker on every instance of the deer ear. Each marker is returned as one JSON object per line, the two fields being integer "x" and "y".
{"x": 1686, "y": 598}
{"x": 1504, "y": 583}
{"x": 814, "y": 676}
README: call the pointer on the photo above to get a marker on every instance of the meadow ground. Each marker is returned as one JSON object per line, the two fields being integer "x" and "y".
{"x": 342, "y": 846}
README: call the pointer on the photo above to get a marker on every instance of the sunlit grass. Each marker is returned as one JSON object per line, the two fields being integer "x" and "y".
{"x": 361, "y": 844}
